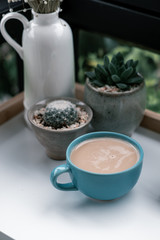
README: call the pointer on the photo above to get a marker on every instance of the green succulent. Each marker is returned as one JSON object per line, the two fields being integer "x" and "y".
{"x": 60, "y": 113}
{"x": 116, "y": 73}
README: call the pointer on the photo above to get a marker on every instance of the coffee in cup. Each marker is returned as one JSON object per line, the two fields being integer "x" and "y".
{"x": 104, "y": 155}
{"x": 102, "y": 165}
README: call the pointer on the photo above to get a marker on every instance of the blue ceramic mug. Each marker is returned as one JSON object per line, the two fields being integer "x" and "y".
{"x": 97, "y": 185}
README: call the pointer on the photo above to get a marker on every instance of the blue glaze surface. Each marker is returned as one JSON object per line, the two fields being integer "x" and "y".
{"x": 95, "y": 185}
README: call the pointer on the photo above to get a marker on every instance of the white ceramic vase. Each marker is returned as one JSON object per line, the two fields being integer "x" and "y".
{"x": 47, "y": 52}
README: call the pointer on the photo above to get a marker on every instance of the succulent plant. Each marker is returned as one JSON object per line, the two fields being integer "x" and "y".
{"x": 60, "y": 113}
{"x": 116, "y": 73}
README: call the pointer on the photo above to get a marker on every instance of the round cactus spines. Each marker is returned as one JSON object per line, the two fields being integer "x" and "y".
{"x": 60, "y": 113}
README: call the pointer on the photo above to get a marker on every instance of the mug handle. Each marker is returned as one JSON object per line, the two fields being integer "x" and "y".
{"x": 5, "y": 34}
{"x": 62, "y": 186}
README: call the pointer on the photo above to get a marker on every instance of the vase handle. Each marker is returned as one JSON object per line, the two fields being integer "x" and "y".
{"x": 5, "y": 34}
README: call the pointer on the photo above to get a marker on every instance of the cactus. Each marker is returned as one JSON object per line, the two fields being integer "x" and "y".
{"x": 116, "y": 73}
{"x": 60, "y": 113}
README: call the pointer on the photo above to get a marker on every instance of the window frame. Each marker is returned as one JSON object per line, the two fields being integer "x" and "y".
{"x": 141, "y": 27}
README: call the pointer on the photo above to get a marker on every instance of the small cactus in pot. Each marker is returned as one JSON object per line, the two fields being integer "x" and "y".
{"x": 60, "y": 113}
{"x": 56, "y": 122}
{"x": 116, "y": 93}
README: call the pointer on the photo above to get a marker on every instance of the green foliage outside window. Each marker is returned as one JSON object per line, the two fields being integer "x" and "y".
{"x": 8, "y": 72}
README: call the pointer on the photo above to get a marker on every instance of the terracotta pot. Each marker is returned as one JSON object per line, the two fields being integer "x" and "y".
{"x": 117, "y": 112}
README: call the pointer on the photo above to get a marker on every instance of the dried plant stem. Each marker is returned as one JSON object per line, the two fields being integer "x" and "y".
{"x": 41, "y": 6}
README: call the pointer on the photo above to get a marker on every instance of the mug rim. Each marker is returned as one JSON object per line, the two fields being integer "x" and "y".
{"x": 101, "y": 134}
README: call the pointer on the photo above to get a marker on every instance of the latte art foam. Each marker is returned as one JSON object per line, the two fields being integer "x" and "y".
{"x": 104, "y": 155}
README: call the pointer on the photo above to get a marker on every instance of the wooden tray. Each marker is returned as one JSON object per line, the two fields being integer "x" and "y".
{"x": 14, "y": 106}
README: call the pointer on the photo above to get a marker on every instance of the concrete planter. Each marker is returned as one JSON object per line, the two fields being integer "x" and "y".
{"x": 118, "y": 112}
{"x": 57, "y": 141}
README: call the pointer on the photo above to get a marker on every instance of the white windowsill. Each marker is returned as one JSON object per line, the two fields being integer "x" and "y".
{"x": 30, "y": 208}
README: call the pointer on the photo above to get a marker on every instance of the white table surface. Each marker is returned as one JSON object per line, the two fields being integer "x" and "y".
{"x": 31, "y": 208}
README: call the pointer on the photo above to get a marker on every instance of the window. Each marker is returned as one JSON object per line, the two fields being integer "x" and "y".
{"x": 11, "y": 67}
{"x": 8, "y": 72}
